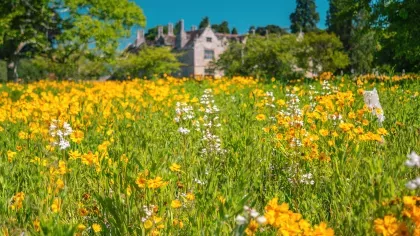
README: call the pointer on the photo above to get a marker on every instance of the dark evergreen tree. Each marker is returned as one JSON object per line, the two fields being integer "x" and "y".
{"x": 204, "y": 22}
{"x": 305, "y": 16}
{"x": 221, "y": 28}
{"x": 339, "y": 22}
{"x": 234, "y": 31}
{"x": 398, "y": 23}
{"x": 271, "y": 29}
{"x": 350, "y": 21}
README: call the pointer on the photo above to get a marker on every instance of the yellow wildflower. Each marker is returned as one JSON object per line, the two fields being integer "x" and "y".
{"x": 176, "y": 204}
{"x": 96, "y": 228}
{"x": 37, "y": 225}
{"x": 175, "y": 167}
{"x": 56, "y": 206}
{"x": 260, "y": 117}
{"x": 10, "y": 155}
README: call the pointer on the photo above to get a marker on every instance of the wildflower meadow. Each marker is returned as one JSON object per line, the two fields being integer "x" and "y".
{"x": 231, "y": 156}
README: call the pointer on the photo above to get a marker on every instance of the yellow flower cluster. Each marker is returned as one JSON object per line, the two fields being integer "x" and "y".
{"x": 17, "y": 201}
{"x": 332, "y": 116}
{"x": 390, "y": 225}
{"x": 155, "y": 183}
{"x": 289, "y": 223}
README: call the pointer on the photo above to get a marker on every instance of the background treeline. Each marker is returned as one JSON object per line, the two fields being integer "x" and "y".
{"x": 77, "y": 39}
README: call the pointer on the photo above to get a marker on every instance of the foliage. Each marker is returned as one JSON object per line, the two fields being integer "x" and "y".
{"x": 271, "y": 56}
{"x": 350, "y": 21}
{"x": 75, "y": 66}
{"x": 279, "y": 56}
{"x": 324, "y": 51}
{"x": 221, "y": 28}
{"x": 204, "y": 22}
{"x": 26, "y": 27}
{"x": 397, "y": 23}
{"x": 272, "y": 29}
{"x": 305, "y": 17}
{"x": 152, "y": 33}
{"x": 3, "y": 71}
{"x": 149, "y": 62}
{"x": 234, "y": 31}
{"x": 29, "y": 71}
{"x": 306, "y": 156}
{"x": 39, "y": 26}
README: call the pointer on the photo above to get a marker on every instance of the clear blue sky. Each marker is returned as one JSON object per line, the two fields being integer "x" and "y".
{"x": 239, "y": 13}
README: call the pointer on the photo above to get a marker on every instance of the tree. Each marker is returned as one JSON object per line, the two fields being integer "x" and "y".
{"x": 271, "y": 29}
{"x": 305, "y": 16}
{"x": 350, "y": 21}
{"x": 78, "y": 65}
{"x": 362, "y": 44}
{"x": 252, "y": 28}
{"x": 44, "y": 25}
{"x": 339, "y": 21}
{"x": 25, "y": 26}
{"x": 398, "y": 25}
{"x": 234, "y": 31}
{"x": 149, "y": 61}
{"x": 260, "y": 57}
{"x": 322, "y": 52}
{"x": 204, "y": 22}
{"x": 222, "y": 28}
{"x": 153, "y": 32}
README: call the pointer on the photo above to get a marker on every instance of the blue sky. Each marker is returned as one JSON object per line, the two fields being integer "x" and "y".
{"x": 239, "y": 13}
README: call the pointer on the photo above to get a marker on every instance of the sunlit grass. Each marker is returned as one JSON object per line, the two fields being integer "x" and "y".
{"x": 158, "y": 157}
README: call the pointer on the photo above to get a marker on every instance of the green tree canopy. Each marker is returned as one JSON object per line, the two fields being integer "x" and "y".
{"x": 153, "y": 32}
{"x": 350, "y": 20}
{"x": 322, "y": 52}
{"x": 271, "y": 29}
{"x": 204, "y": 22}
{"x": 221, "y": 28}
{"x": 149, "y": 61}
{"x": 398, "y": 24}
{"x": 234, "y": 31}
{"x": 260, "y": 57}
{"x": 305, "y": 17}
{"x": 45, "y": 25}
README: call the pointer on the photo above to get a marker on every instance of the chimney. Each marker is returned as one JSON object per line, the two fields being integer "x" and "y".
{"x": 266, "y": 32}
{"x": 193, "y": 28}
{"x": 181, "y": 24}
{"x": 140, "y": 37}
{"x": 181, "y": 37}
{"x": 160, "y": 31}
{"x": 253, "y": 31}
{"x": 170, "y": 29}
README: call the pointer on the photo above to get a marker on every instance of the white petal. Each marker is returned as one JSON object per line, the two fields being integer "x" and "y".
{"x": 240, "y": 220}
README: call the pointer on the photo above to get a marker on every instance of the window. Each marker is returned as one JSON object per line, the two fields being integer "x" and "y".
{"x": 208, "y": 71}
{"x": 208, "y": 54}
{"x": 208, "y": 39}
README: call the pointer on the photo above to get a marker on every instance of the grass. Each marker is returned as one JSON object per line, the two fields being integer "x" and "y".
{"x": 130, "y": 171}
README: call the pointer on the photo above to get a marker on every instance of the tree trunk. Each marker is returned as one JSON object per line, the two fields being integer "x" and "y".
{"x": 12, "y": 75}
{"x": 12, "y": 64}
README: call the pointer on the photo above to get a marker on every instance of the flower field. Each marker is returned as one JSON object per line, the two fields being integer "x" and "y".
{"x": 332, "y": 155}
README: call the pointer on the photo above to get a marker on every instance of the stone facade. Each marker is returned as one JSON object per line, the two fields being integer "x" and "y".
{"x": 198, "y": 47}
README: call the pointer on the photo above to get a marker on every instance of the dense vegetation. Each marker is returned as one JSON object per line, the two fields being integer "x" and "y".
{"x": 192, "y": 157}
{"x": 375, "y": 35}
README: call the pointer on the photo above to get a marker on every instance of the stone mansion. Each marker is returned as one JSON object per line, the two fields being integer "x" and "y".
{"x": 198, "y": 47}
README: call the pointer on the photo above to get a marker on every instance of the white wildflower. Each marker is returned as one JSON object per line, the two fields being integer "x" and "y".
{"x": 413, "y": 160}
{"x": 240, "y": 220}
{"x": 261, "y": 220}
{"x": 253, "y": 213}
{"x": 411, "y": 185}
{"x": 184, "y": 131}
